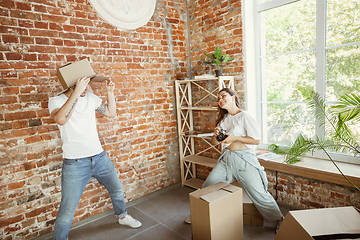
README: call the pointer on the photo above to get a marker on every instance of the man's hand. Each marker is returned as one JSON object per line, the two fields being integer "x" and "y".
{"x": 110, "y": 85}
{"x": 81, "y": 86}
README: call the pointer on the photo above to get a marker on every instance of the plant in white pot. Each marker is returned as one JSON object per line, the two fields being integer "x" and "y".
{"x": 218, "y": 60}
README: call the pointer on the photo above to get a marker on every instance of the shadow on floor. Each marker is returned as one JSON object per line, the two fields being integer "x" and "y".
{"x": 162, "y": 214}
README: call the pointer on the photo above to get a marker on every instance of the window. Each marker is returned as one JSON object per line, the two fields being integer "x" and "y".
{"x": 291, "y": 47}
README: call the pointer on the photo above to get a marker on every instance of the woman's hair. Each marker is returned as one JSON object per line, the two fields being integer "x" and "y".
{"x": 223, "y": 112}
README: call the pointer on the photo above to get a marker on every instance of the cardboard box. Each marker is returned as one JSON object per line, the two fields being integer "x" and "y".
{"x": 216, "y": 213}
{"x": 324, "y": 223}
{"x": 251, "y": 216}
{"x": 69, "y": 73}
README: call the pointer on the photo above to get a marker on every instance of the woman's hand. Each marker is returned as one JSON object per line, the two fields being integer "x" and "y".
{"x": 216, "y": 132}
{"x": 229, "y": 139}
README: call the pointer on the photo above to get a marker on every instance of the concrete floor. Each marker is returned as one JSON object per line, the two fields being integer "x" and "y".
{"x": 162, "y": 214}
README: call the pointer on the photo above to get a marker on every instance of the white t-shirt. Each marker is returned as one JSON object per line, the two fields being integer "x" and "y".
{"x": 79, "y": 134}
{"x": 241, "y": 125}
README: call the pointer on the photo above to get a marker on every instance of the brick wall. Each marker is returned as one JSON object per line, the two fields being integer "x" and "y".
{"x": 36, "y": 37}
{"x": 217, "y": 23}
{"x": 310, "y": 193}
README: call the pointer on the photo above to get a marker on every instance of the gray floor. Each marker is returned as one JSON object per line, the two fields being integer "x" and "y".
{"x": 162, "y": 214}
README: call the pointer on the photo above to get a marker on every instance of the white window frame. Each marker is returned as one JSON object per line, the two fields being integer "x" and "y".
{"x": 252, "y": 42}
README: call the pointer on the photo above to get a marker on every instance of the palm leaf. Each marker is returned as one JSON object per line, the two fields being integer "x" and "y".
{"x": 345, "y": 110}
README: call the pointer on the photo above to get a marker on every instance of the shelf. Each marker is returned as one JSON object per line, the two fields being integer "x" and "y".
{"x": 194, "y": 183}
{"x": 186, "y": 107}
{"x": 196, "y": 80}
{"x": 199, "y": 108}
{"x": 200, "y": 160}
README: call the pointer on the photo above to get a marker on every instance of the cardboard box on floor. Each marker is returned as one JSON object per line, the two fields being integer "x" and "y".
{"x": 251, "y": 216}
{"x": 69, "y": 73}
{"x": 216, "y": 213}
{"x": 324, "y": 224}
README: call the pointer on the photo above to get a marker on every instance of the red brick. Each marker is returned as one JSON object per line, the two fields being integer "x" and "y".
{"x": 24, "y": 15}
{"x": 33, "y": 139}
{"x": 27, "y": 40}
{"x": 81, "y": 22}
{"x": 39, "y": 8}
{"x": 15, "y": 185}
{"x": 7, "y": 222}
{"x": 38, "y": 211}
{"x": 10, "y": 39}
{"x": 30, "y": 57}
{"x": 5, "y": 126}
{"x": 23, "y": 6}
{"x": 13, "y": 56}
{"x": 20, "y": 124}
{"x": 8, "y": 99}
{"x": 54, "y": 18}
{"x": 20, "y": 115}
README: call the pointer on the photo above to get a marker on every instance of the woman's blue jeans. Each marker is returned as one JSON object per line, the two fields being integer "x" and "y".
{"x": 75, "y": 175}
{"x": 240, "y": 165}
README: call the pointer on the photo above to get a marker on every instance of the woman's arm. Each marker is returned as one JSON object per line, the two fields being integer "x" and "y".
{"x": 245, "y": 140}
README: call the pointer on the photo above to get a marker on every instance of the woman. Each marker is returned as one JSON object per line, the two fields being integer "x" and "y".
{"x": 238, "y": 160}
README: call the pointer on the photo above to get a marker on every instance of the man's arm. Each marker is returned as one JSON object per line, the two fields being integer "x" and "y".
{"x": 62, "y": 115}
{"x": 108, "y": 110}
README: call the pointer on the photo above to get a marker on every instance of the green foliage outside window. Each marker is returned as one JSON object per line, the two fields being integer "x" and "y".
{"x": 289, "y": 63}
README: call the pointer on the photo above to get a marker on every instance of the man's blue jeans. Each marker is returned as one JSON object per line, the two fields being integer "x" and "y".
{"x": 75, "y": 175}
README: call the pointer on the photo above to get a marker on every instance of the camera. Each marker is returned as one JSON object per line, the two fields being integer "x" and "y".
{"x": 221, "y": 136}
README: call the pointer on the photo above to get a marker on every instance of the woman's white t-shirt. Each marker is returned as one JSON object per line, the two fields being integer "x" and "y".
{"x": 241, "y": 125}
{"x": 79, "y": 134}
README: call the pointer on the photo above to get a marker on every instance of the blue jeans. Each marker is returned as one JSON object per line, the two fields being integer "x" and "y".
{"x": 75, "y": 175}
{"x": 243, "y": 166}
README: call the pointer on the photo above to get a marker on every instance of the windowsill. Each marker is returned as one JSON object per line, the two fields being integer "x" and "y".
{"x": 319, "y": 169}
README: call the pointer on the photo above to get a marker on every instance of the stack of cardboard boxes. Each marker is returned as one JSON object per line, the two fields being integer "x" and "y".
{"x": 218, "y": 212}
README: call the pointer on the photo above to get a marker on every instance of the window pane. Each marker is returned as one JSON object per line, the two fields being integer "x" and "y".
{"x": 288, "y": 75}
{"x": 343, "y": 22}
{"x": 343, "y": 74}
{"x": 290, "y": 27}
{"x": 286, "y": 121}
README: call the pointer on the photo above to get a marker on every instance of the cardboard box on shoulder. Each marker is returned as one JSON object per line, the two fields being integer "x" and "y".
{"x": 321, "y": 224}
{"x": 216, "y": 212}
{"x": 250, "y": 213}
{"x": 69, "y": 73}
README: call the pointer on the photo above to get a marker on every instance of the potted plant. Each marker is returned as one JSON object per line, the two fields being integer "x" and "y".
{"x": 218, "y": 60}
{"x": 346, "y": 110}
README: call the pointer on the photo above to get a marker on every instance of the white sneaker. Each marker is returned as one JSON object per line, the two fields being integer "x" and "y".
{"x": 188, "y": 219}
{"x": 130, "y": 221}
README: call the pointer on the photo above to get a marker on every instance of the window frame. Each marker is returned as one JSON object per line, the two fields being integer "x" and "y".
{"x": 252, "y": 55}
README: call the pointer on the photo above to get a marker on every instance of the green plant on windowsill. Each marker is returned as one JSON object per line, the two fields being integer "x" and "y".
{"x": 338, "y": 116}
{"x": 218, "y": 60}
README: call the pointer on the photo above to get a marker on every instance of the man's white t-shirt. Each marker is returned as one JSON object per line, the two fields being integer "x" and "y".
{"x": 79, "y": 134}
{"x": 241, "y": 125}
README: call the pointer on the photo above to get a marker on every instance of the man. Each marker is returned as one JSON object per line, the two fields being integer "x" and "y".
{"x": 74, "y": 112}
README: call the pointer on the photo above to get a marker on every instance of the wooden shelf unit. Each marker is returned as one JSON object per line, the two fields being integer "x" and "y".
{"x": 185, "y": 107}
